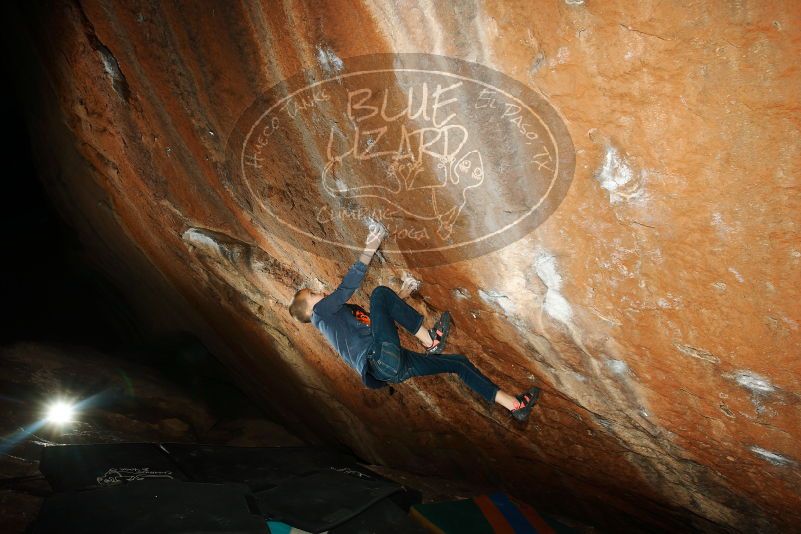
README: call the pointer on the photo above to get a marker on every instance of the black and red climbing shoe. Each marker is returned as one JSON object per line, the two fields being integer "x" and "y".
{"x": 525, "y": 402}
{"x": 439, "y": 333}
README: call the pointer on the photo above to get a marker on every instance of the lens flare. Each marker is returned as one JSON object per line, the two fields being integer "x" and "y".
{"x": 60, "y": 412}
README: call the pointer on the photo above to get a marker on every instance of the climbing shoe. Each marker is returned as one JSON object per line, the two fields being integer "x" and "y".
{"x": 525, "y": 402}
{"x": 438, "y": 333}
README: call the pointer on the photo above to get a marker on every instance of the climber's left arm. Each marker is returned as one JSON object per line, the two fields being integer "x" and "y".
{"x": 353, "y": 278}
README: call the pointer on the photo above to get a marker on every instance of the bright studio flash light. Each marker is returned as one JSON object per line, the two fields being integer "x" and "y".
{"x": 60, "y": 412}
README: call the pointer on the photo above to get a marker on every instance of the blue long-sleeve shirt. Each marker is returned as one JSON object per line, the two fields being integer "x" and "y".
{"x": 336, "y": 320}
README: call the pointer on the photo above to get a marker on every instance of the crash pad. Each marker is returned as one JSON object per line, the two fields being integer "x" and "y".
{"x": 494, "y": 513}
{"x": 150, "y": 506}
{"x": 309, "y": 488}
{"x": 74, "y": 467}
{"x": 259, "y": 467}
{"x": 279, "y": 527}
{"x": 383, "y": 516}
{"x": 323, "y": 499}
{"x": 263, "y": 468}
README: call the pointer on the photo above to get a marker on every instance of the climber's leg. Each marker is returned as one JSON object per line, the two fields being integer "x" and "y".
{"x": 414, "y": 364}
{"x": 386, "y": 309}
{"x": 394, "y": 364}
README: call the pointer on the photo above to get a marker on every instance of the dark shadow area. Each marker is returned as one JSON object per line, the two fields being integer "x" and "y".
{"x": 67, "y": 332}
{"x": 50, "y": 292}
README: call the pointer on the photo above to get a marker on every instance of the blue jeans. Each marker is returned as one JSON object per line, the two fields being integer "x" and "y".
{"x": 390, "y": 362}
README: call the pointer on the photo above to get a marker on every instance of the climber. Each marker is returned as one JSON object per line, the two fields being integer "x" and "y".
{"x": 369, "y": 342}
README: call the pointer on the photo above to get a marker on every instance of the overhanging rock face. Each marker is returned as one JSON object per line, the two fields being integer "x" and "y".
{"x": 608, "y": 207}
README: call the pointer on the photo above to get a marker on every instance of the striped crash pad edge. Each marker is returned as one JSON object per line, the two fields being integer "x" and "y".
{"x": 496, "y": 513}
{"x": 278, "y": 527}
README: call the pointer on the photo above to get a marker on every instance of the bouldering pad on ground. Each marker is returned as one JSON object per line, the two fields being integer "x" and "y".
{"x": 383, "y": 516}
{"x": 150, "y": 506}
{"x": 74, "y": 467}
{"x": 486, "y": 514}
{"x": 310, "y": 488}
{"x": 260, "y": 468}
{"x": 324, "y": 499}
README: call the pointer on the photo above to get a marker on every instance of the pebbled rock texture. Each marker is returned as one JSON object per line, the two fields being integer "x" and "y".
{"x": 658, "y": 306}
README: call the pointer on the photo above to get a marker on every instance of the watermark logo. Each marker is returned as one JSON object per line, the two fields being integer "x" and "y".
{"x": 454, "y": 159}
{"x": 118, "y": 475}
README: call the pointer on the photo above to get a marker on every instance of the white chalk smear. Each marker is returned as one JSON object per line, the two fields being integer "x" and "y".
{"x": 555, "y": 304}
{"x": 317, "y": 285}
{"x": 772, "y": 457}
{"x": 461, "y": 293}
{"x": 562, "y": 55}
{"x": 737, "y": 275}
{"x": 616, "y": 176}
{"x": 329, "y": 60}
{"x": 498, "y": 299}
{"x": 110, "y": 64}
{"x": 199, "y": 238}
{"x": 411, "y": 281}
{"x": 545, "y": 265}
{"x": 619, "y": 367}
{"x": 753, "y": 382}
{"x": 341, "y": 185}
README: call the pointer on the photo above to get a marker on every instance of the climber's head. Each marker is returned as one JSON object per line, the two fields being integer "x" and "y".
{"x": 301, "y": 306}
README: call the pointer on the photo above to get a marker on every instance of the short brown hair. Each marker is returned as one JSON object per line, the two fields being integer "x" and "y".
{"x": 298, "y": 308}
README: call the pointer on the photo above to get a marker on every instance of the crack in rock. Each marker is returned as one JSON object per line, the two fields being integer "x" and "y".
{"x": 697, "y": 353}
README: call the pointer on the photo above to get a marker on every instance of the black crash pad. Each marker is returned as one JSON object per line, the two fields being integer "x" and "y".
{"x": 259, "y": 467}
{"x": 263, "y": 468}
{"x": 324, "y": 499}
{"x": 384, "y": 516}
{"x": 152, "y": 506}
{"x": 312, "y": 488}
{"x": 74, "y": 467}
